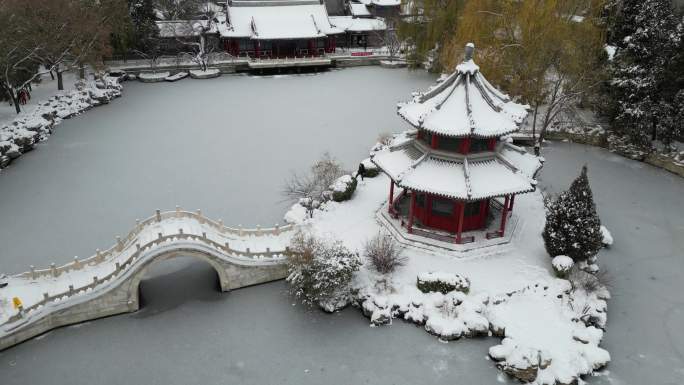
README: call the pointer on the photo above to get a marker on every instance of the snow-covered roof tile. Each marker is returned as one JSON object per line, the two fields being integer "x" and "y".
{"x": 358, "y": 24}
{"x": 439, "y": 177}
{"x": 281, "y": 19}
{"x": 527, "y": 163}
{"x": 464, "y": 104}
{"x": 358, "y": 9}
{"x": 492, "y": 178}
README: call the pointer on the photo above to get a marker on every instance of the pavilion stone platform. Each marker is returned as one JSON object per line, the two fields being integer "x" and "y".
{"x": 430, "y": 238}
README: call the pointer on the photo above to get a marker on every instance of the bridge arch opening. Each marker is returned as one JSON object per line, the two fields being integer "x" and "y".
{"x": 170, "y": 281}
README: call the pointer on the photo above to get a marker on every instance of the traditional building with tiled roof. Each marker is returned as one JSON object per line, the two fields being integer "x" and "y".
{"x": 455, "y": 172}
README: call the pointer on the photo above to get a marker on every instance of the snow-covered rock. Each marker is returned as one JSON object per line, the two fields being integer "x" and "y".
{"x": 562, "y": 265}
{"x": 28, "y": 128}
{"x": 607, "y": 236}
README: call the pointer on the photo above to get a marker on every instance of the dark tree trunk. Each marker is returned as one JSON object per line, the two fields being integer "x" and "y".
{"x": 60, "y": 81}
{"x": 81, "y": 71}
{"x": 534, "y": 122}
{"x": 52, "y": 75}
{"x": 15, "y": 100}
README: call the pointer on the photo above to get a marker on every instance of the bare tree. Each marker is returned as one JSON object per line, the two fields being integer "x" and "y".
{"x": 313, "y": 188}
{"x": 194, "y": 32}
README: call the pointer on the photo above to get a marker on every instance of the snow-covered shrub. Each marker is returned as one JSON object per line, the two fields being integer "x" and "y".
{"x": 573, "y": 227}
{"x": 562, "y": 264}
{"x": 371, "y": 169}
{"x": 343, "y": 188}
{"x": 442, "y": 282}
{"x": 590, "y": 282}
{"x": 320, "y": 271}
{"x": 384, "y": 254}
{"x": 607, "y": 237}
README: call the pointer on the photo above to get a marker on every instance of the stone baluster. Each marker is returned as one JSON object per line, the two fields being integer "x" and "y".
{"x": 100, "y": 257}
{"x": 178, "y": 211}
{"x": 277, "y": 229}
{"x": 53, "y": 270}
{"x": 45, "y": 296}
{"x": 95, "y": 279}
{"x": 158, "y": 215}
{"x": 180, "y": 230}
{"x": 159, "y": 235}
{"x": 204, "y": 235}
{"x": 137, "y": 224}
{"x": 220, "y": 222}
{"x": 247, "y": 251}
{"x": 33, "y": 272}
{"x": 227, "y": 246}
{"x": 241, "y": 231}
{"x": 77, "y": 263}
{"x": 71, "y": 289}
{"x": 137, "y": 246}
{"x": 199, "y": 216}
{"x": 117, "y": 267}
{"x": 119, "y": 244}
{"x": 258, "y": 230}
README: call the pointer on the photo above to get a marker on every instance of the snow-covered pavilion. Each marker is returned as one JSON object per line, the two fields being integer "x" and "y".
{"x": 278, "y": 28}
{"x": 455, "y": 172}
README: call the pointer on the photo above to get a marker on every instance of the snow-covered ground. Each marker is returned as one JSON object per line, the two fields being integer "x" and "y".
{"x": 513, "y": 292}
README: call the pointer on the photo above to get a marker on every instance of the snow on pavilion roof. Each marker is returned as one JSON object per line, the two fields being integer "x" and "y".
{"x": 358, "y": 9}
{"x": 382, "y": 3}
{"x": 278, "y": 19}
{"x": 511, "y": 171}
{"x": 358, "y": 24}
{"x": 464, "y": 104}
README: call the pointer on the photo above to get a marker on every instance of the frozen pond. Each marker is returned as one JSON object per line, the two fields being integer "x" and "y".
{"x": 225, "y": 146}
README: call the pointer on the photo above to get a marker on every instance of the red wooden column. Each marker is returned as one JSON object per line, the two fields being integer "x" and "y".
{"x": 434, "y": 141}
{"x": 459, "y": 228}
{"x": 510, "y": 207}
{"x": 391, "y": 196}
{"x": 412, "y": 210}
{"x": 504, "y": 214}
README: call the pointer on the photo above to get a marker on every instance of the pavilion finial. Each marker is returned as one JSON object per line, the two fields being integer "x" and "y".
{"x": 469, "y": 50}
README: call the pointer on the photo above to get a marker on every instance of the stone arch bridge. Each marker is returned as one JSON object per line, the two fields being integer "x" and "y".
{"x": 107, "y": 283}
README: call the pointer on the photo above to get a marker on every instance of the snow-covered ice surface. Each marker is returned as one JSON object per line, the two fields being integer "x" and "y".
{"x": 57, "y": 202}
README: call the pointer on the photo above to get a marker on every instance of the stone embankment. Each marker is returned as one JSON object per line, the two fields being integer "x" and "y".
{"x": 29, "y": 128}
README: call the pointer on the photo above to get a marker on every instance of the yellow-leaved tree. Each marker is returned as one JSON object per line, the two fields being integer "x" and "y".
{"x": 545, "y": 52}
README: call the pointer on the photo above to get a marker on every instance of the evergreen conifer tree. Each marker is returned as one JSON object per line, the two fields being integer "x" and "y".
{"x": 573, "y": 227}
{"x": 647, "y": 35}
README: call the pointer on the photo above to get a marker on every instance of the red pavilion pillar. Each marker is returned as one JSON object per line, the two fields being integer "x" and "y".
{"x": 504, "y": 214}
{"x": 459, "y": 229}
{"x": 391, "y": 196}
{"x": 412, "y": 210}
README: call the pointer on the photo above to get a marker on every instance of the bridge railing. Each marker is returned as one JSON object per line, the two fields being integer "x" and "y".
{"x": 159, "y": 216}
{"x": 274, "y": 256}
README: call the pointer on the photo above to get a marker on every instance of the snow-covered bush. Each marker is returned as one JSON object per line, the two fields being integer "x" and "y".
{"x": 442, "y": 282}
{"x": 562, "y": 264}
{"x": 343, "y": 188}
{"x": 384, "y": 254}
{"x": 320, "y": 271}
{"x": 573, "y": 227}
{"x": 607, "y": 237}
{"x": 371, "y": 169}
